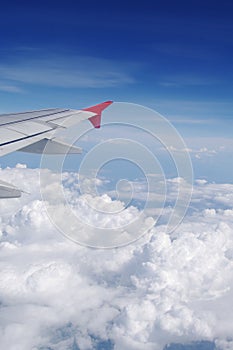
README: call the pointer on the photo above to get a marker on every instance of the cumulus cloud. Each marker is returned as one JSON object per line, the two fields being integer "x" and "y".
{"x": 164, "y": 288}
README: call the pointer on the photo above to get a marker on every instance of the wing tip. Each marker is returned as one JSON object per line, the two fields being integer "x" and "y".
{"x": 97, "y": 109}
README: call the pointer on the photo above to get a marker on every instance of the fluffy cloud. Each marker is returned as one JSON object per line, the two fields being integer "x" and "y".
{"x": 164, "y": 288}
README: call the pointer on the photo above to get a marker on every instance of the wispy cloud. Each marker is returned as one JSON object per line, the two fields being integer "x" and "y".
{"x": 192, "y": 121}
{"x": 193, "y": 111}
{"x": 189, "y": 50}
{"x": 66, "y": 72}
{"x": 197, "y": 152}
{"x": 181, "y": 80}
{"x": 10, "y": 88}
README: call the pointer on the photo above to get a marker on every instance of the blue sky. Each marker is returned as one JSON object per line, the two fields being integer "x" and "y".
{"x": 151, "y": 53}
{"x": 174, "y": 57}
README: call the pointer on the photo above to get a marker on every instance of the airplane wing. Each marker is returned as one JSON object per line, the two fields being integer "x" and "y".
{"x": 30, "y": 131}
{"x": 33, "y": 132}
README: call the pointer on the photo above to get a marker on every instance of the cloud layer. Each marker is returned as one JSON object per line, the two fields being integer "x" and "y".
{"x": 164, "y": 288}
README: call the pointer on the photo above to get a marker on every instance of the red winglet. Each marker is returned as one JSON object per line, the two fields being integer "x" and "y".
{"x": 96, "y": 119}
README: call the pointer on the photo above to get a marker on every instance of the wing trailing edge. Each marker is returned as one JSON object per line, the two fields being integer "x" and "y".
{"x": 51, "y": 146}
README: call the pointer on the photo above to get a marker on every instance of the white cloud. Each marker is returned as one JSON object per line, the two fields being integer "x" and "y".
{"x": 161, "y": 289}
{"x": 197, "y": 152}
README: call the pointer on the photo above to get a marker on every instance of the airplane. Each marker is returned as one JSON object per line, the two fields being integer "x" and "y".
{"x": 33, "y": 132}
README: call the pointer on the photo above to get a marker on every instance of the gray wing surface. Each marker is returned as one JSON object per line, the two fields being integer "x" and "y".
{"x": 19, "y": 130}
{"x": 34, "y": 132}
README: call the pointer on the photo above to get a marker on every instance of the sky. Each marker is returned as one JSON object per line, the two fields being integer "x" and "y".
{"x": 168, "y": 67}
{"x": 173, "y": 57}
